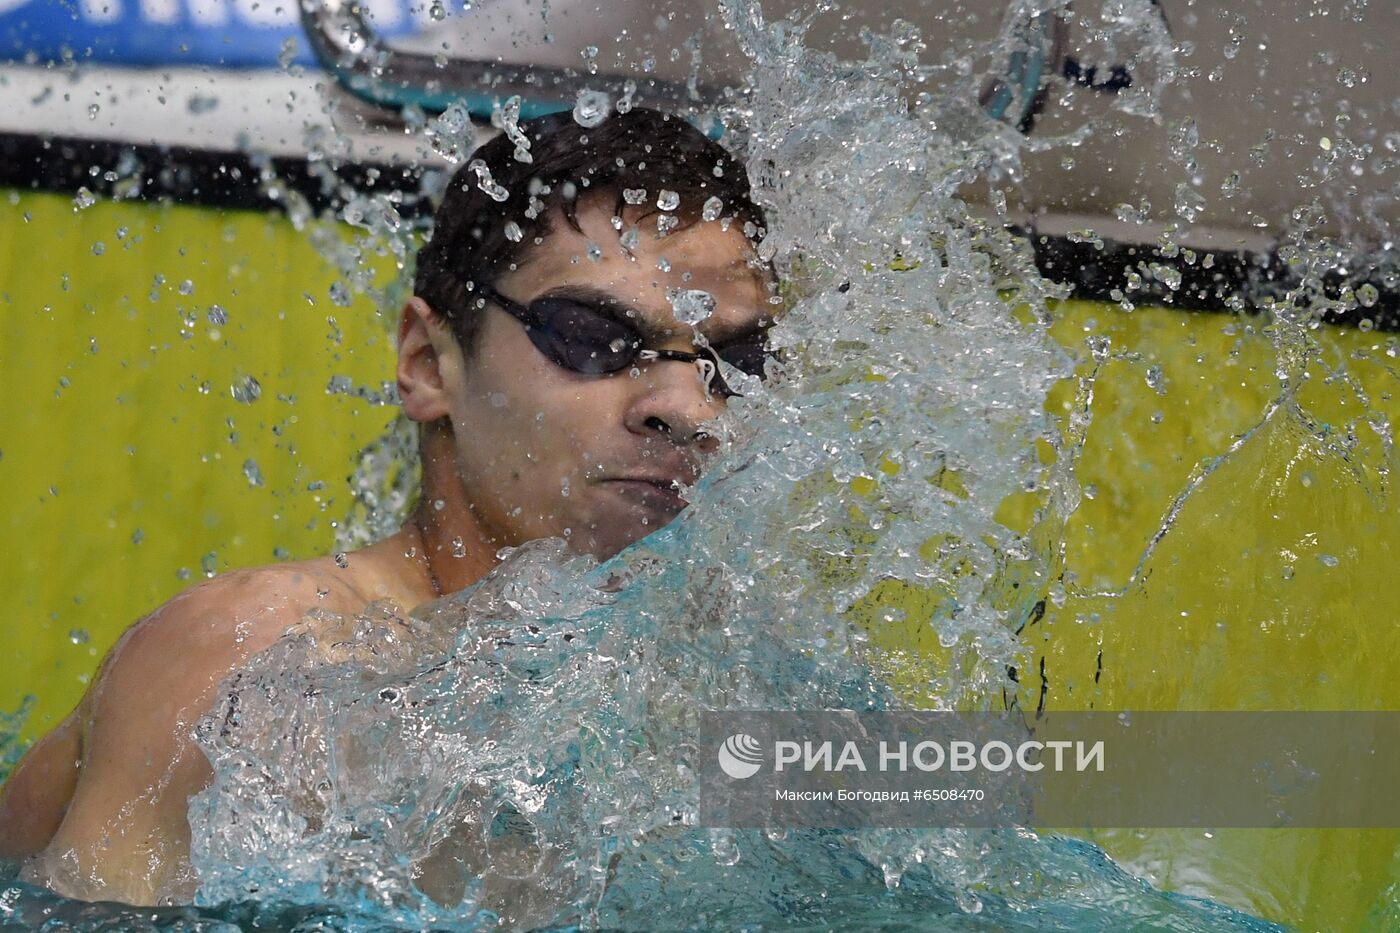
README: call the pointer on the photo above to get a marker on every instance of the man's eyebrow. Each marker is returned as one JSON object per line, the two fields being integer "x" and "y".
{"x": 733, "y": 333}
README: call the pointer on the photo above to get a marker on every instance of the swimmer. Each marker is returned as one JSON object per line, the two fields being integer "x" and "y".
{"x": 560, "y": 391}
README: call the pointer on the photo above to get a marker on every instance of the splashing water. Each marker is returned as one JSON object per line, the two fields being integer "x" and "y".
{"x": 519, "y": 752}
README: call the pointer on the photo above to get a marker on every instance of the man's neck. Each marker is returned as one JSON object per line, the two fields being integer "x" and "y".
{"x": 454, "y": 551}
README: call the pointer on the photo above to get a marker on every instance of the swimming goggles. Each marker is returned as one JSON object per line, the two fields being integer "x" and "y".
{"x": 587, "y": 338}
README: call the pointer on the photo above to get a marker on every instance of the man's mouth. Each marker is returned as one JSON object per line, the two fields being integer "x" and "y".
{"x": 658, "y": 494}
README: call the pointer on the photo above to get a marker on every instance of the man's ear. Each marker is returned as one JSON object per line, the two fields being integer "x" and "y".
{"x": 430, "y": 362}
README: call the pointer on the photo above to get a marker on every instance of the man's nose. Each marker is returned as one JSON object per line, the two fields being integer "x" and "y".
{"x": 674, "y": 400}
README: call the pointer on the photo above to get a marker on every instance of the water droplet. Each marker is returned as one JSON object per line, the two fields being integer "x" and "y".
{"x": 1155, "y": 380}
{"x": 341, "y": 560}
{"x": 724, "y": 847}
{"x": 691, "y": 306}
{"x": 217, "y": 316}
{"x": 451, "y": 133}
{"x": 79, "y": 636}
{"x": 624, "y": 103}
{"x": 83, "y": 200}
{"x": 507, "y": 117}
{"x": 288, "y": 55}
{"x": 634, "y": 195}
{"x": 459, "y": 547}
{"x": 485, "y": 182}
{"x": 1085, "y": 236}
{"x": 201, "y": 103}
{"x": 513, "y": 232}
{"x": 1129, "y": 214}
{"x": 712, "y": 209}
{"x": 246, "y": 390}
{"x": 668, "y": 200}
{"x": 1189, "y": 202}
{"x": 968, "y": 902}
{"x": 591, "y": 108}
{"x": 252, "y": 472}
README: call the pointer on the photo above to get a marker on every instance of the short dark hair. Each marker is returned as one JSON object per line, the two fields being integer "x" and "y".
{"x": 473, "y": 242}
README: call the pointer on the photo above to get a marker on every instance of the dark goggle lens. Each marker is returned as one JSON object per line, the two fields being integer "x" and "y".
{"x": 579, "y": 338}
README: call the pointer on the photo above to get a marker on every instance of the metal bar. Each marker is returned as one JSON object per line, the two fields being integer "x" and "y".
{"x": 366, "y": 66}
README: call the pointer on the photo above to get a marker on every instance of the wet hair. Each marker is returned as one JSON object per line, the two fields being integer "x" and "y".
{"x": 473, "y": 240}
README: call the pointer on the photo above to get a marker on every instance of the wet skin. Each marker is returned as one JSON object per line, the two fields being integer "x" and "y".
{"x": 514, "y": 448}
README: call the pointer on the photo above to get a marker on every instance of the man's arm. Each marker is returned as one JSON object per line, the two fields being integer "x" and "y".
{"x": 34, "y": 799}
{"x": 125, "y": 834}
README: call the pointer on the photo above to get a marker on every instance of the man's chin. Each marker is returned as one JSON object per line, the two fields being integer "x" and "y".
{"x": 623, "y": 531}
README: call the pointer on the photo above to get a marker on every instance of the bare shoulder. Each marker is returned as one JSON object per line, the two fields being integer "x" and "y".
{"x": 165, "y": 668}
{"x": 134, "y": 731}
{"x": 152, "y": 683}
{"x": 272, "y": 591}
{"x": 221, "y": 621}
{"x": 343, "y": 593}
{"x": 188, "y": 645}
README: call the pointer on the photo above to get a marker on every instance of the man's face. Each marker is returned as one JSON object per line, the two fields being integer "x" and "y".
{"x": 543, "y": 451}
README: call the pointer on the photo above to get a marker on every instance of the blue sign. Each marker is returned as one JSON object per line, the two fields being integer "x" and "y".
{"x": 219, "y": 33}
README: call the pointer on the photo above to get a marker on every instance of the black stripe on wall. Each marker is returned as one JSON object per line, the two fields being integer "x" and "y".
{"x": 1106, "y": 271}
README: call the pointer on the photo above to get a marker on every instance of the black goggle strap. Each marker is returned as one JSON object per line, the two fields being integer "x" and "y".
{"x": 520, "y": 312}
